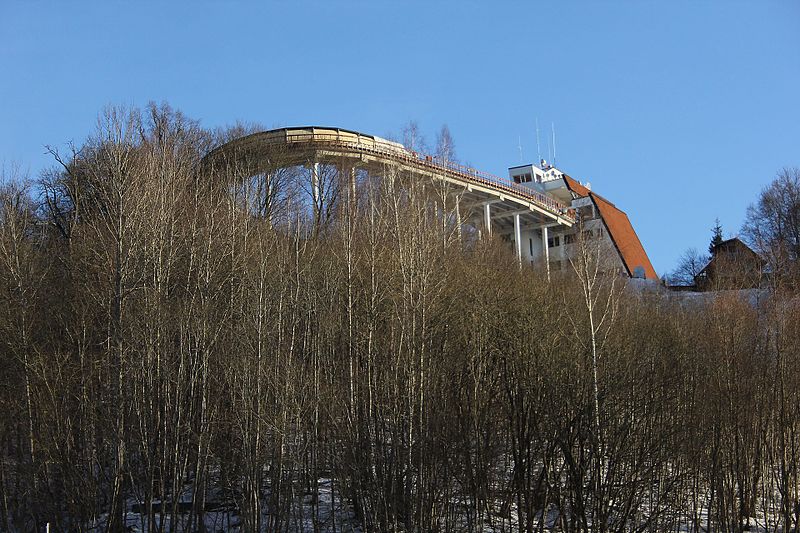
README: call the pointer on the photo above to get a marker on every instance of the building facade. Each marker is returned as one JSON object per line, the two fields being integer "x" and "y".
{"x": 598, "y": 221}
{"x": 733, "y": 265}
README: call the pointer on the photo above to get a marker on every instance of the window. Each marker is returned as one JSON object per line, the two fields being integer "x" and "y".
{"x": 530, "y": 243}
{"x": 569, "y": 239}
{"x": 552, "y": 242}
{"x": 590, "y": 234}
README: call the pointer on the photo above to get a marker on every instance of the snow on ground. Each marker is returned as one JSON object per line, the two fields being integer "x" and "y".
{"x": 329, "y": 513}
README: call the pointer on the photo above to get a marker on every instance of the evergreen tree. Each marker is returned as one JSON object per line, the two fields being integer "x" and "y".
{"x": 716, "y": 236}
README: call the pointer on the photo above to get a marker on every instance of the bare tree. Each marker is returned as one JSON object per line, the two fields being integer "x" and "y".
{"x": 445, "y": 147}
{"x": 413, "y": 139}
{"x": 176, "y": 338}
{"x": 689, "y": 266}
{"x": 595, "y": 267}
{"x": 772, "y": 225}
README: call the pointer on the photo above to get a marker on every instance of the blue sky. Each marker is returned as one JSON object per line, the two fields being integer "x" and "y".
{"x": 679, "y": 112}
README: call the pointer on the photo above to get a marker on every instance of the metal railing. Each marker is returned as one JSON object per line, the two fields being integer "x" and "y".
{"x": 396, "y": 152}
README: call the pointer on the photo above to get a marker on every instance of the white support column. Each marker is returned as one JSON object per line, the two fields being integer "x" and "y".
{"x": 458, "y": 221}
{"x": 546, "y": 249}
{"x": 315, "y": 185}
{"x": 270, "y": 203}
{"x": 518, "y": 237}
{"x": 352, "y": 176}
{"x": 487, "y": 218}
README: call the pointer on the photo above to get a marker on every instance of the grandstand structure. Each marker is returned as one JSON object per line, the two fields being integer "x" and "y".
{"x": 542, "y": 212}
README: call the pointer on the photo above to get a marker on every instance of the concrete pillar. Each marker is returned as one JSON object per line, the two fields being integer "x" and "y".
{"x": 270, "y": 199}
{"x": 315, "y": 185}
{"x": 518, "y": 237}
{"x": 546, "y": 249}
{"x": 487, "y": 218}
{"x": 352, "y": 182}
{"x": 347, "y": 181}
{"x": 458, "y": 220}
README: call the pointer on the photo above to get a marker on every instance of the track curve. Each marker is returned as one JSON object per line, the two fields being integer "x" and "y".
{"x": 299, "y": 145}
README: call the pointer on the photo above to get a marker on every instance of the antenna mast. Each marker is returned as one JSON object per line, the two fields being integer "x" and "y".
{"x": 519, "y": 140}
{"x": 538, "y": 147}
{"x": 553, "y": 125}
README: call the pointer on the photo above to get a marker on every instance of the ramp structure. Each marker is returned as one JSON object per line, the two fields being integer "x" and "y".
{"x": 536, "y": 208}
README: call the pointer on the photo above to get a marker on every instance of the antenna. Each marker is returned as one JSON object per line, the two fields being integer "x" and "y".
{"x": 519, "y": 140}
{"x": 553, "y": 125}
{"x": 538, "y": 147}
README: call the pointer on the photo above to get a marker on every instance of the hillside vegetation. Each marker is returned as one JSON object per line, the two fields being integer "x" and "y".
{"x": 185, "y": 349}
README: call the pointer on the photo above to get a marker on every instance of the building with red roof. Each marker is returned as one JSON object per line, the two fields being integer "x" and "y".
{"x": 598, "y": 219}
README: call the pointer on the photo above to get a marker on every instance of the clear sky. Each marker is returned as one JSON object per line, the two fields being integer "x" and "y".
{"x": 679, "y": 111}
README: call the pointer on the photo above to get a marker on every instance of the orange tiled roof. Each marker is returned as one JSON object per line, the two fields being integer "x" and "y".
{"x": 620, "y": 228}
{"x": 575, "y": 186}
{"x": 624, "y": 237}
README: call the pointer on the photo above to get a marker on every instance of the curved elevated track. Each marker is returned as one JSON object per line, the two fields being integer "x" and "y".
{"x": 304, "y": 146}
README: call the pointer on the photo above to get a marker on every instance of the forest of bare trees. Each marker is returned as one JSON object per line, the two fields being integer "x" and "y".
{"x": 186, "y": 348}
